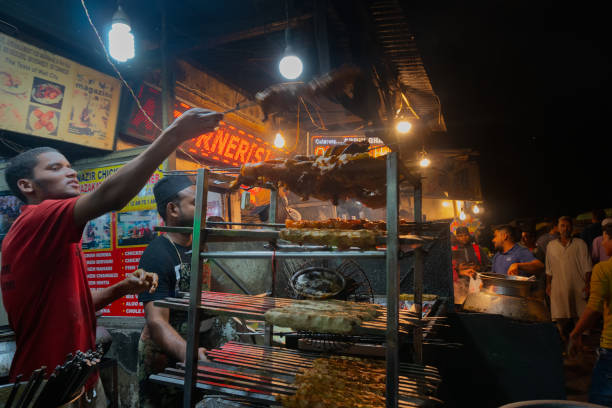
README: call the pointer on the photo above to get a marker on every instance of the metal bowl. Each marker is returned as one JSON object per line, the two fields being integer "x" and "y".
{"x": 503, "y": 285}
{"x": 317, "y": 282}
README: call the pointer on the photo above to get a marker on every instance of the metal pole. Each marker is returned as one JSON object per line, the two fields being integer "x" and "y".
{"x": 195, "y": 290}
{"x": 418, "y": 274}
{"x": 268, "y": 328}
{"x": 392, "y": 260}
{"x": 167, "y": 83}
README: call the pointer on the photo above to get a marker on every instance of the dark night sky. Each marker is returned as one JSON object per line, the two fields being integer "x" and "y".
{"x": 527, "y": 84}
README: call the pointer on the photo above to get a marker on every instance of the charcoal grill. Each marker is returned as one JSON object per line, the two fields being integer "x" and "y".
{"x": 260, "y": 373}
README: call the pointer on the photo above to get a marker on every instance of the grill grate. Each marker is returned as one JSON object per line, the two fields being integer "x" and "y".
{"x": 260, "y": 374}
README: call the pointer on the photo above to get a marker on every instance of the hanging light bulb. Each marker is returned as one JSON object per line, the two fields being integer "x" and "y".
{"x": 403, "y": 126}
{"x": 290, "y": 65}
{"x": 120, "y": 37}
{"x": 424, "y": 162}
{"x": 445, "y": 204}
{"x": 475, "y": 209}
{"x": 279, "y": 141}
{"x": 462, "y": 216}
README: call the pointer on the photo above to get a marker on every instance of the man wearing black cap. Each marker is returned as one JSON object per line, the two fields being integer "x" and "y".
{"x": 161, "y": 343}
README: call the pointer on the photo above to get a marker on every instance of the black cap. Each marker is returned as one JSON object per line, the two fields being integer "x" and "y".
{"x": 462, "y": 230}
{"x": 169, "y": 186}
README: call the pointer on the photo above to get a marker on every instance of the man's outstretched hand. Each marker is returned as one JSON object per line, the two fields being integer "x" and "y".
{"x": 140, "y": 281}
{"x": 193, "y": 123}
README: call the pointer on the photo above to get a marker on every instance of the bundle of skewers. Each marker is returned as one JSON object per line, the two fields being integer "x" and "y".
{"x": 63, "y": 385}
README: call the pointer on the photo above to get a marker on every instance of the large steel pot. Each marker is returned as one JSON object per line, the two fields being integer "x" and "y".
{"x": 505, "y": 285}
{"x": 507, "y": 296}
{"x": 515, "y": 307}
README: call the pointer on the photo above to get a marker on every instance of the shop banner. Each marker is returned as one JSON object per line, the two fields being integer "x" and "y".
{"x": 320, "y": 144}
{"x": 49, "y": 96}
{"x": 114, "y": 242}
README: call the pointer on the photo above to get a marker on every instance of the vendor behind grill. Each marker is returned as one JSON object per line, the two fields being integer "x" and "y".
{"x": 511, "y": 258}
{"x": 161, "y": 342}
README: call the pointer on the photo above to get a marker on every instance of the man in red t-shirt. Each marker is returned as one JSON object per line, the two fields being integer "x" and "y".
{"x": 44, "y": 282}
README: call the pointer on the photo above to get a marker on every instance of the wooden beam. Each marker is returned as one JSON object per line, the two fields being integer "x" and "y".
{"x": 250, "y": 33}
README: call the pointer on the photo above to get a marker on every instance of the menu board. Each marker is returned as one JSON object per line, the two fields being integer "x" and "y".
{"x": 48, "y": 96}
{"x": 114, "y": 242}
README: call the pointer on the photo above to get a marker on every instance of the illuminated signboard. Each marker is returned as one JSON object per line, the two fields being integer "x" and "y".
{"x": 227, "y": 145}
{"x": 321, "y": 144}
{"x": 48, "y": 96}
{"x": 230, "y": 146}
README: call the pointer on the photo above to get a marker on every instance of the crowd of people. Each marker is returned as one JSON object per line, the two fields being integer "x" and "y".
{"x": 572, "y": 265}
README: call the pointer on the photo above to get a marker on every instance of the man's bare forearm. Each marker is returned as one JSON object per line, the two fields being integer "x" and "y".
{"x": 118, "y": 190}
{"x": 533, "y": 266}
{"x": 588, "y": 319}
{"x": 108, "y": 295}
{"x": 168, "y": 339}
{"x": 114, "y": 193}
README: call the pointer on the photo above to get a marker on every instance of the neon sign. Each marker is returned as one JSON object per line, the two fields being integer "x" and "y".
{"x": 230, "y": 146}
{"x": 227, "y": 145}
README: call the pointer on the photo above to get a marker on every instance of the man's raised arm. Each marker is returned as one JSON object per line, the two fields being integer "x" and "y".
{"x": 115, "y": 192}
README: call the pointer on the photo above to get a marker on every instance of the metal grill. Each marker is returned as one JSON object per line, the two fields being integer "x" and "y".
{"x": 260, "y": 374}
{"x": 254, "y": 307}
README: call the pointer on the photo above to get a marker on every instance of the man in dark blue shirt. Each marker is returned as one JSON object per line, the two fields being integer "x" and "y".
{"x": 513, "y": 259}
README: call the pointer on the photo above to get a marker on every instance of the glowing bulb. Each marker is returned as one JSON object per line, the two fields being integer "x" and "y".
{"x": 445, "y": 204}
{"x": 279, "y": 141}
{"x": 476, "y": 209}
{"x": 403, "y": 126}
{"x": 462, "y": 216}
{"x": 121, "y": 42}
{"x": 290, "y": 67}
{"x": 424, "y": 162}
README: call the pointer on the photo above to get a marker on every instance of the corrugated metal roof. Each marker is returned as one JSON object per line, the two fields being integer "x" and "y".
{"x": 399, "y": 45}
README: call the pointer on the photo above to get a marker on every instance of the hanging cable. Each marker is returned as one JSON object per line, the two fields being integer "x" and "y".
{"x": 310, "y": 116}
{"x": 297, "y": 130}
{"x": 108, "y": 59}
{"x": 140, "y": 108}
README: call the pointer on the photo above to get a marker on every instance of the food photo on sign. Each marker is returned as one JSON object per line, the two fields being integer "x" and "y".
{"x": 42, "y": 121}
{"x": 97, "y": 233}
{"x": 47, "y": 93}
{"x": 136, "y": 227}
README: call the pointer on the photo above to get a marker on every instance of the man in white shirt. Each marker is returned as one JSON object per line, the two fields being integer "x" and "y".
{"x": 568, "y": 273}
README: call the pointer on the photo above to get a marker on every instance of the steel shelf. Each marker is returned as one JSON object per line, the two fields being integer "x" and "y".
{"x": 279, "y": 254}
{"x": 393, "y": 241}
{"x": 234, "y": 235}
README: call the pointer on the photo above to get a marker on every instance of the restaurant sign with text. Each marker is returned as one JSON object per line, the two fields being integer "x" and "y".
{"x": 113, "y": 243}
{"x": 48, "y": 96}
{"x": 320, "y": 144}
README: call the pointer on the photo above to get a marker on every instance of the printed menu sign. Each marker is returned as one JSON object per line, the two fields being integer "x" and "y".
{"x": 114, "y": 242}
{"x": 49, "y": 96}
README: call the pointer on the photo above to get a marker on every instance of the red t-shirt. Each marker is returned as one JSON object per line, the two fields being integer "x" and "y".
{"x": 44, "y": 287}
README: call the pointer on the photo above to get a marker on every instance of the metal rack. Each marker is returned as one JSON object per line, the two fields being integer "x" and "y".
{"x": 201, "y": 234}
